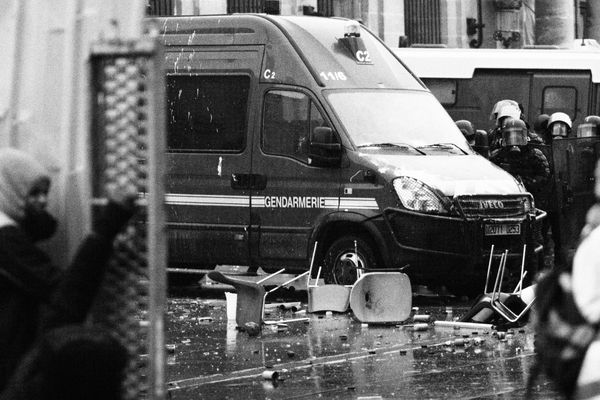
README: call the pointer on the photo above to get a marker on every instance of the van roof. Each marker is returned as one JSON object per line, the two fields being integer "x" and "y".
{"x": 317, "y": 42}
{"x": 462, "y": 63}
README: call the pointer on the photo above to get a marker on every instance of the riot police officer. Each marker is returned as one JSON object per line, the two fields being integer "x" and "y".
{"x": 559, "y": 126}
{"x": 540, "y": 126}
{"x": 466, "y": 127}
{"x": 520, "y": 159}
{"x": 504, "y": 110}
{"x": 527, "y": 164}
{"x": 589, "y": 127}
{"x": 507, "y": 110}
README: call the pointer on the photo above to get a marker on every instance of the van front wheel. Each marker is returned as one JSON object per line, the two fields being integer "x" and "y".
{"x": 346, "y": 258}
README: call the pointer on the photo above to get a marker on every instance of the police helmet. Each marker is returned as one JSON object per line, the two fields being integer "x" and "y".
{"x": 589, "y": 127}
{"x": 559, "y": 124}
{"x": 514, "y": 133}
{"x": 592, "y": 119}
{"x": 506, "y": 112}
{"x": 466, "y": 127}
{"x": 541, "y": 123}
{"x": 499, "y": 105}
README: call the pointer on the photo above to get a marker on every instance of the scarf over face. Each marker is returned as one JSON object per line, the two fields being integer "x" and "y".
{"x": 19, "y": 172}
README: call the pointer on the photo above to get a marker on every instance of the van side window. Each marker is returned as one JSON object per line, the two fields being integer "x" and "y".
{"x": 207, "y": 113}
{"x": 288, "y": 117}
{"x": 560, "y": 98}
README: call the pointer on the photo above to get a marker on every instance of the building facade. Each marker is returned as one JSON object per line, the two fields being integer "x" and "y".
{"x": 450, "y": 23}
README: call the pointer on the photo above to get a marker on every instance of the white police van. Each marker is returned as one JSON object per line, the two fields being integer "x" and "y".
{"x": 286, "y": 131}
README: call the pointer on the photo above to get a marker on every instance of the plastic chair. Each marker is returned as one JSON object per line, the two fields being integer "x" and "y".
{"x": 381, "y": 297}
{"x": 251, "y": 296}
{"x": 326, "y": 297}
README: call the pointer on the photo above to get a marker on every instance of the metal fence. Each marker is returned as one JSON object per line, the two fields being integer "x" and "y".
{"x": 128, "y": 150}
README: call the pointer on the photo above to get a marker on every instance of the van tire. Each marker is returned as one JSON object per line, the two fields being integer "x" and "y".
{"x": 340, "y": 265}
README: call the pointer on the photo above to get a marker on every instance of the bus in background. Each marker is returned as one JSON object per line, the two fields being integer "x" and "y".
{"x": 468, "y": 82}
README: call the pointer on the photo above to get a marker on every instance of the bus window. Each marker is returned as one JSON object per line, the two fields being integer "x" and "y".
{"x": 443, "y": 89}
{"x": 559, "y": 98}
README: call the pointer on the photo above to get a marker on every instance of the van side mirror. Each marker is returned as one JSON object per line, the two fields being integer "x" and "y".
{"x": 325, "y": 150}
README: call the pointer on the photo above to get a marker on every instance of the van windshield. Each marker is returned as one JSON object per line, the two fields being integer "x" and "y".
{"x": 413, "y": 118}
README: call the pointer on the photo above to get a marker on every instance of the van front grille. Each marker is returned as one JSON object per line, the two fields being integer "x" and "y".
{"x": 494, "y": 206}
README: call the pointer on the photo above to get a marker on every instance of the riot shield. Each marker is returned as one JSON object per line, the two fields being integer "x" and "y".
{"x": 574, "y": 161}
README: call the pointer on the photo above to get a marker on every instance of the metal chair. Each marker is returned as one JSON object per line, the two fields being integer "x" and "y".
{"x": 498, "y": 302}
{"x": 519, "y": 306}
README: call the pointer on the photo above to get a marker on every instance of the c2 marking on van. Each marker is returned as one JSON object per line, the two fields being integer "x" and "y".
{"x": 354, "y": 203}
{"x": 363, "y": 57}
{"x": 268, "y": 74}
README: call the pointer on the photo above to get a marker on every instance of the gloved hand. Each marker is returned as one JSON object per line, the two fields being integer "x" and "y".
{"x": 120, "y": 208}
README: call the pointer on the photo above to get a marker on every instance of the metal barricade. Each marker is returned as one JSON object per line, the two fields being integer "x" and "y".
{"x": 127, "y": 148}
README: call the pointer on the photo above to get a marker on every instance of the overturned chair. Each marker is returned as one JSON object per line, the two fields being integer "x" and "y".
{"x": 513, "y": 306}
{"x": 381, "y": 297}
{"x": 251, "y": 296}
{"x": 326, "y": 297}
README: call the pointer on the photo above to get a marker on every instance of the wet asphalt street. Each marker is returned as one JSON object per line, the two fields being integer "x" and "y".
{"x": 333, "y": 356}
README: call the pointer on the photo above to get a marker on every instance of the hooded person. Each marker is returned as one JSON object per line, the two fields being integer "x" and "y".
{"x": 21, "y": 176}
{"x": 35, "y": 295}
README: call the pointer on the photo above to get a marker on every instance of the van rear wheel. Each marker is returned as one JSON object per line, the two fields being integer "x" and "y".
{"x": 346, "y": 258}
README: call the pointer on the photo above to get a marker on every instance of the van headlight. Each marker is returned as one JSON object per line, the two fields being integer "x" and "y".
{"x": 417, "y": 196}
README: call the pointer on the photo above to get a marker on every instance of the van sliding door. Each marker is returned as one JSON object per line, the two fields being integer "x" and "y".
{"x": 209, "y": 154}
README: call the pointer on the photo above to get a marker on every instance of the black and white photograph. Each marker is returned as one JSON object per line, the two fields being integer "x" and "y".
{"x": 299, "y": 199}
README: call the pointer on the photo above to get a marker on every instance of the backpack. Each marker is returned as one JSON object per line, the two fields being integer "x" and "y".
{"x": 562, "y": 334}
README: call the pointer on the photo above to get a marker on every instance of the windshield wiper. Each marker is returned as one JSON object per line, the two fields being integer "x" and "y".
{"x": 442, "y": 146}
{"x": 401, "y": 145}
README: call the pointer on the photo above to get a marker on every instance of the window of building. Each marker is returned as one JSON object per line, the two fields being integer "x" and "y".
{"x": 254, "y": 6}
{"x": 443, "y": 89}
{"x": 560, "y": 98}
{"x": 422, "y": 21}
{"x": 207, "y": 113}
{"x": 288, "y": 119}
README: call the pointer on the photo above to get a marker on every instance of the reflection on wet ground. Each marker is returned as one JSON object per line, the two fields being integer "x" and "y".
{"x": 333, "y": 356}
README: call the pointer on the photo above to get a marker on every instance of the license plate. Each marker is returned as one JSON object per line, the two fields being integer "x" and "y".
{"x": 502, "y": 229}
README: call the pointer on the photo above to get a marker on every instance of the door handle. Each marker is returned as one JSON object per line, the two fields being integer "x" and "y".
{"x": 248, "y": 181}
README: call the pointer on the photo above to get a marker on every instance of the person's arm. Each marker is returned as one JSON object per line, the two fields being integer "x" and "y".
{"x": 540, "y": 169}
{"x": 74, "y": 295}
{"x": 26, "y": 266}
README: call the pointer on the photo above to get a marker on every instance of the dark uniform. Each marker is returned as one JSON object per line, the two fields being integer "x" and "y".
{"x": 529, "y": 165}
